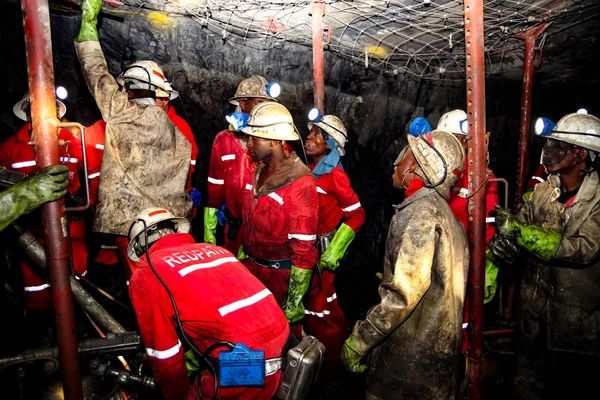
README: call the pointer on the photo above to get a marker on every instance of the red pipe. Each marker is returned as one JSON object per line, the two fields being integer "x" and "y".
{"x": 475, "y": 70}
{"x": 38, "y": 45}
{"x": 530, "y": 35}
{"x": 318, "y": 11}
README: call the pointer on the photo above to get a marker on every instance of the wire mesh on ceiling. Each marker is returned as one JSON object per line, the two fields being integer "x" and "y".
{"x": 424, "y": 38}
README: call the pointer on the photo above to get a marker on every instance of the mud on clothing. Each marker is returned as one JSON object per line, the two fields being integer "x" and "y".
{"x": 281, "y": 220}
{"x": 559, "y": 304}
{"x": 413, "y": 334}
{"x": 146, "y": 158}
{"x": 217, "y": 299}
{"x": 16, "y": 154}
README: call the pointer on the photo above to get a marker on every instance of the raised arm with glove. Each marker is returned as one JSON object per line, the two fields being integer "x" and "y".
{"x": 89, "y": 20}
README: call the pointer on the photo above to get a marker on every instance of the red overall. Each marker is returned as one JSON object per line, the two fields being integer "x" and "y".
{"x": 189, "y": 135}
{"x": 19, "y": 156}
{"x": 197, "y": 275}
{"x": 324, "y": 318}
{"x": 459, "y": 201}
{"x": 94, "y": 143}
{"x": 538, "y": 176}
{"x": 229, "y": 171}
{"x": 280, "y": 224}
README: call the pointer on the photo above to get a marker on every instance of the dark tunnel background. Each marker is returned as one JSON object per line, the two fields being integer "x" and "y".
{"x": 376, "y": 109}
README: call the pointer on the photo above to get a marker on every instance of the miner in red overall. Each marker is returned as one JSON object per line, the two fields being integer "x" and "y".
{"x": 16, "y": 153}
{"x": 163, "y": 98}
{"x": 280, "y": 210}
{"x": 340, "y": 217}
{"x": 196, "y": 275}
{"x": 455, "y": 122}
{"x": 230, "y": 169}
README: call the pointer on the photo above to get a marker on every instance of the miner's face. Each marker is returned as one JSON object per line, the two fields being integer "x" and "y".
{"x": 247, "y": 105}
{"x": 163, "y": 103}
{"x": 259, "y": 148}
{"x": 403, "y": 171}
{"x": 315, "y": 143}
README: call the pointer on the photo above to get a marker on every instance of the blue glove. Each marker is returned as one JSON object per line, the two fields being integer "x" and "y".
{"x": 196, "y": 196}
{"x": 221, "y": 217}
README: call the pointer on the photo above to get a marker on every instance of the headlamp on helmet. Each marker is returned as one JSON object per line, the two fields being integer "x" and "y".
{"x": 61, "y": 92}
{"x": 273, "y": 89}
{"x": 419, "y": 126}
{"x": 315, "y": 115}
{"x": 544, "y": 127}
{"x": 238, "y": 120}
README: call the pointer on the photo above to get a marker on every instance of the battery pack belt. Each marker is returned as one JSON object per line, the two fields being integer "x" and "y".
{"x": 275, "y": 264}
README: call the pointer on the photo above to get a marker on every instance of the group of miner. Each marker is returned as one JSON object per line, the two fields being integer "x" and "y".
{"x": 287, "y": 227}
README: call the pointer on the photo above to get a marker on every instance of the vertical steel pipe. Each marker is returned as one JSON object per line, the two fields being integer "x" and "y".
{"x": 318, "y": 11}
{"x": 38, "y": 45}
{"x": 530, "y": 35}
{"x": 475, "y": 72}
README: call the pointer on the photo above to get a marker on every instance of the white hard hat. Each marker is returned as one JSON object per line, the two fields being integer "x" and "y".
{"x": 454, "y": 121}
{"x": 252, "y": 87}
{"x": 271, "y": 121}
{"x": 582, "y": 130}
{"x": 167, "y": 92}
{"x": 20, "y": 108}
{"x": 432, "y": 164}
{"x": 143, "y": 74}
{"x": 335, "y": 128}
{"x": 151, "y": 216}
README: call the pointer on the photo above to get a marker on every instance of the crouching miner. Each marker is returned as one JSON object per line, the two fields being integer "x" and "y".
{"x": 213, "y": 298}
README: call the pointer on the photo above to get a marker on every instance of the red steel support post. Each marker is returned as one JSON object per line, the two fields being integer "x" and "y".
{"x": 318, "y": 11}
{"x": 530, "y": 35}
{"x": 38, "y": 45}
{"x": 475, "y": 70}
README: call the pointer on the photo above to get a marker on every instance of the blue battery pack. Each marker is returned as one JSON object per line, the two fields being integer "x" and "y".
{"x": 241, "y": 367}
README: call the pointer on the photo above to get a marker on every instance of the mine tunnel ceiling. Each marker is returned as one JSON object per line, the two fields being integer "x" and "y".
{"x": 423, "y": 39}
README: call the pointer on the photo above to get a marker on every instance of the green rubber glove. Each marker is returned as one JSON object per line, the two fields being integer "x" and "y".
{"x": 293, "y": 307}
{"x": 351, "y": 359}
{"x": 504, "y": 248}
{"x": 210, "y": 225}
{"x": 191, "y": 363}
{"x": 49, "y": 184}
{"x": 540, "y": 241}
{"x": 330, "y": 259}
{"x": 241, "y": 253}
{"x": 491, "y": 276}
{"x": 89, "y": 21}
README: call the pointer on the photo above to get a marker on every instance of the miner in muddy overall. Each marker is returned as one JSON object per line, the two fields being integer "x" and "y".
{"x": 412, "y": 337}
{"x": 146, "y": 159}
{"x": 557, "y": 233}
